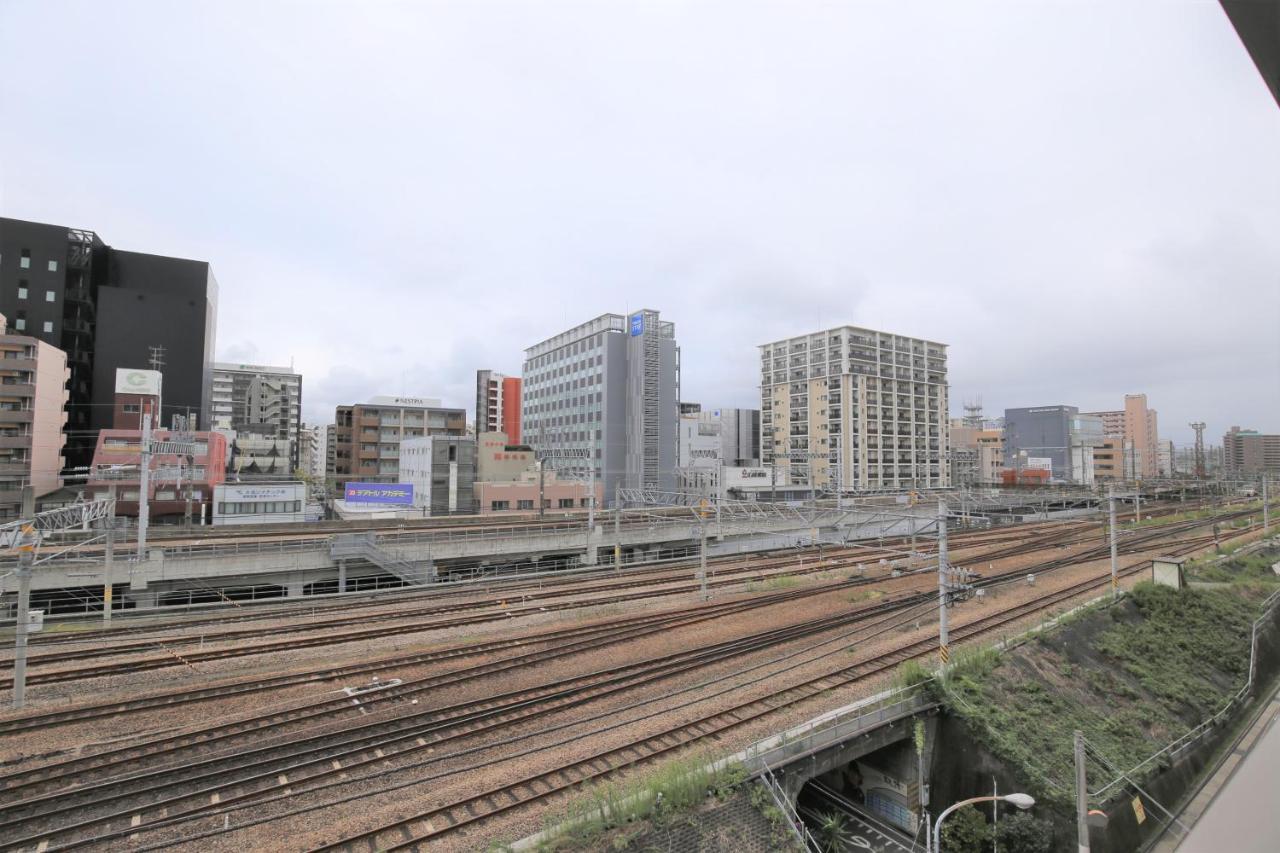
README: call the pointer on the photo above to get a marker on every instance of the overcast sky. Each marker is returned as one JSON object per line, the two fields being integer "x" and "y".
{"x": 1082, "y": 199}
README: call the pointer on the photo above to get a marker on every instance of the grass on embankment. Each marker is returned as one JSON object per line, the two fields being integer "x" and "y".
{"x": 1132, "y": 676}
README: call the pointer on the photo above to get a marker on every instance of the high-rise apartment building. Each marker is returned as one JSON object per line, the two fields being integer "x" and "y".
{"x": 498, "y": 404}
{"x": 856, "y": 409}
{"x": 609, "y": 389}
{"x": 107, "y": 309}
{"x": 367, "y": 436}
{"x": 33, "y": 396}
{"x": 1247, "y": 452}
{"x": 1137, "y": 426}
{"x": 265, "y": 401}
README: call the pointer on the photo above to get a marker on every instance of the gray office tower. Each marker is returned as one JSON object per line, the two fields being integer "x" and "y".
{"x": 107, "y": 308}
{"x": 608, "y": 390}
{"x": 1056, "y": 438}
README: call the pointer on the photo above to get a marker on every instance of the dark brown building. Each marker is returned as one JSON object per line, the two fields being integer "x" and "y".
{"x": 368, "y": 435}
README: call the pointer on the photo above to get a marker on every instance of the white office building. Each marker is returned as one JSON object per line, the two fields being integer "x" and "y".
{"x": 259, "y": 399}
{"x": 608, "y": 391}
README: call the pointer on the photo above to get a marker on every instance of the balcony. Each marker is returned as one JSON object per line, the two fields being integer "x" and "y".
{"x": 16, "y": 416}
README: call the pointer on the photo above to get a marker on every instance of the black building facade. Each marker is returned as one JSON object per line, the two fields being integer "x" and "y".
{"x": 106, "y": 308}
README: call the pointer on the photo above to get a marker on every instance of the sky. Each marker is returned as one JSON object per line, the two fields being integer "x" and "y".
{"x": 1081, "y": 199}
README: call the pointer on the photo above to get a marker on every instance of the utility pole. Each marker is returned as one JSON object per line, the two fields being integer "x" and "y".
{"x": 1111, "y": 513}
{"x": 591, "y": 505}
{"x": 26, "y": 557}
{"x": 1082, "y": 795}
{"x": 1266, "y": 513}
{"x": 944, "y": 651}
{"x": 702, "y": 556}
{"x": 542, "y": 480}
{"x": 144, "y": 484}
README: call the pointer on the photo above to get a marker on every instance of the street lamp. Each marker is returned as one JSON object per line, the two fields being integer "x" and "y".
{"x": 1022, "y": 801}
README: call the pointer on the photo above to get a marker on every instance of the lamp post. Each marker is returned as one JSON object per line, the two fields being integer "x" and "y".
{"x": 1022, "y": 801}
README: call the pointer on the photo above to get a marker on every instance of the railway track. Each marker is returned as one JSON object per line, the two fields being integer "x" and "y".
{"x": 269, "y": 781}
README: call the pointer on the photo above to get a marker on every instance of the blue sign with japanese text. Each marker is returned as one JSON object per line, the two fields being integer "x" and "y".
{"x": 637, "y": 325}
{"x": 379, "y": 493}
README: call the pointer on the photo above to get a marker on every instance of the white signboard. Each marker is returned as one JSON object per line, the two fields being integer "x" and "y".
{"x": 137, "y": 381}
{"x": 1039, "y": 463}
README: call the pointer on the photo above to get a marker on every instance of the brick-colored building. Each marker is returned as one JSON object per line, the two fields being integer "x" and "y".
{"x": 1248, "y": 452}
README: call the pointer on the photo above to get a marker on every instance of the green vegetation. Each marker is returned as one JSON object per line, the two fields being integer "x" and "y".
{"x": 1130, "y": 676}
{"x": 663, "y": 796}
{"x": 830, "y": 834}
{"x": 860, "y": 595}
{"x": 1252, "y": 568}
{"x": 966, "y": 832}
{"x": 774, "y": 583}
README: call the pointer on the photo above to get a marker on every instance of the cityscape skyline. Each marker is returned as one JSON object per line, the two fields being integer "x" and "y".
{"x": 962, "y": 208}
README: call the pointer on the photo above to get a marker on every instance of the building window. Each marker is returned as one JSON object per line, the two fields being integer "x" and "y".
{"x": 53, "y": 266}
{"x": 20, "y": 324}
{"x": 132, "y": 408}
{"x": 24, "y": 262}
{"x": 499, "y": 506}
{"x": 566, "y": 503}
{"x": 524, "y": 504}
{"x": 48, "y": 325}
{"x": 22, "y": 291}
{"x": 49, "y": 296}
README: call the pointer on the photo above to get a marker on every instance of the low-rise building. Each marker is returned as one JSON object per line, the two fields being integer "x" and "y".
{"x": 500, "y": 460}
{"x": 521, "y": 494}
{"x": 367, "y": 436}
{"x": 441, "y": 469}
{"x": 259, "y": 503}
{"x": 33, "y": 398}
{"x": 175, "y": 482}
{"x": 252, "y": 454}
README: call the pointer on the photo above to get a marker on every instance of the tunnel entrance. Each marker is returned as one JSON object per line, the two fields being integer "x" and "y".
{"x": 871, "y": 803}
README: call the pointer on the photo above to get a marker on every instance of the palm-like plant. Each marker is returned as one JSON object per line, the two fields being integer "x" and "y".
{"x": 831, "y": 832}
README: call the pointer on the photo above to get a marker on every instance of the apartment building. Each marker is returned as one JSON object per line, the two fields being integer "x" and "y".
{"x": 607, "y": 390}
{"x": 1247, "y": 452}
{"x": 106, "y": 309}
{"x": 367, "y": 436}
{"x": 855, "y": 408}
{"x": 1108, "y": 459}
{"x": 172, "y": 482}
{"x": 33, "y": 397}
{"x": 1137, "y": 425}
{"x": 977, "y": 455}
{"x": 498, "y": 404}
{"x": 262, "y": 400}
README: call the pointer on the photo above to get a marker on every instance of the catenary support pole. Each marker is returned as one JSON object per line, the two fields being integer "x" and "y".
{"x": 26, "y": 556}
{"x": 144, "y": 485}
{"x": 617, "y": 527}
{"x": 1266, "y": 512}
{"x": 1082, "y": 795}
{"x": 1111, "y": 526}
{"x": 944, "y": 650}
{"x": 702, "y": 559}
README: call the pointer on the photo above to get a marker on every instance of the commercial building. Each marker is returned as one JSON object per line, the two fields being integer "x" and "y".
{"x": 107, "y": 309}
{"x": 1137, "y": 425}
{"x": 265, "y": 503}
{"x": 1108, "y": 459}
{"x": 266, "y": 401}
{"x": 1248, "y": 452}
{"x": 498, "y": 404}
{"x": 1054, "y": 438}
{"x": 33, "y": 397}
{"x": 977, "y": 455}
{"x": 175, "y": 483}
{"x": 330, "y": 452}
{"x": 367, "y": 436}
{"x": 855, "y": 408}
{"x": 715, "y": 438}
{"x": 508, "y": 481}
{"x": 442, "y": 470}
{"x": 311, "y": 451}
{"x": 609, "y": 391}
{"x": 255, "y": 455}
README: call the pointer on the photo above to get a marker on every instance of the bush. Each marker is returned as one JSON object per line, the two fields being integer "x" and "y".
{"x": 1022, "y": 833}
{"x": 966, "y": 831}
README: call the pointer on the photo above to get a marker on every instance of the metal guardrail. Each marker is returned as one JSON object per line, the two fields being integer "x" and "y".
{"x": 365, "y": 546}
{"x": 780, "y": 799}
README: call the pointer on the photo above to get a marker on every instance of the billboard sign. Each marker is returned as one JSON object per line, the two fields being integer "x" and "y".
{"x": 637, "y": 325}
{"x": 137, "y": 381}
{"x": 380, "y": 493}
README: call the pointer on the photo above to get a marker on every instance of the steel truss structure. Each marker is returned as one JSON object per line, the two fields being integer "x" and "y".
{"x": 75, "y": 517}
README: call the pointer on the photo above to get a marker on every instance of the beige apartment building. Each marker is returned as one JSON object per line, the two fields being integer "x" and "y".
{"x": 856, "y": 409}
{"x": 1137, "y": 426}
{"x": 33, "y": 400}
{"x": 367, "y": 436}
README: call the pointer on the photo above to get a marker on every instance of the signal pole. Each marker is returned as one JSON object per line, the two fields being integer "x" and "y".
{"x": 1082, "y": 795}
